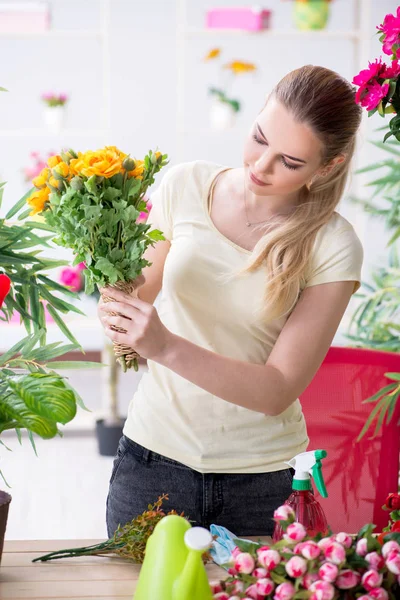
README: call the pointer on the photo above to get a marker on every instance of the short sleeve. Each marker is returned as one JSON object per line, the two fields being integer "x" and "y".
{"x": 165, "y": 199}
{"x": 338, "y": 256}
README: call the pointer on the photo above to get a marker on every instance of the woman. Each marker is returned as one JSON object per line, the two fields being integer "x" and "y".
{"x": 256, "y": 272}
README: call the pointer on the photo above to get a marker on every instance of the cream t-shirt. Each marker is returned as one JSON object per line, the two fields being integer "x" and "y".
{"x": 178, "y": 419}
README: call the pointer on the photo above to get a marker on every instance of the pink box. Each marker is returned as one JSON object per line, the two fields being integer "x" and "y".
{"x": 24, "y": 17}
{"x": 249, "y": 19}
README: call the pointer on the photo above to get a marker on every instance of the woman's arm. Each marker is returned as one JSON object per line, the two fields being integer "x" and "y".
{"x": 270, "y": 388}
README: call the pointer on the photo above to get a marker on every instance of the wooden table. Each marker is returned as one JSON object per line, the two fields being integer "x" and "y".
{"x": 85, "y": 577}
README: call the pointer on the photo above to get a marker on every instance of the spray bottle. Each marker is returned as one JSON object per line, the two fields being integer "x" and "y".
{"x": 307, "y": 510}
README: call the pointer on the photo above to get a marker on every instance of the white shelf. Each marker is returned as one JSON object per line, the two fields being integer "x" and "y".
{"x": 45, "y": 133}
{"x": 55, "y": 33}
{"x": 275, "y": 33}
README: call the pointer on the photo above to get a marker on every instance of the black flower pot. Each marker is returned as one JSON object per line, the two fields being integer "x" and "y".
{"x": 108, "y": 436}
{"x": 5, "y": 500}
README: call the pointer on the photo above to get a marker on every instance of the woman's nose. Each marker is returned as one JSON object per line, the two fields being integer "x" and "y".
{"x": 264, "y": 164}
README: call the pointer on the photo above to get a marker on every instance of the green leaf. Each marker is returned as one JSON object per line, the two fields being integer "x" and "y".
{"x": 58, "y": 320}
{"x": 4, "y": 358}
{"x": 106, "y": 267}
{"x": 74, "y": 364}
{"x": 395, "y": 376}
{"x": 17, "y": 207}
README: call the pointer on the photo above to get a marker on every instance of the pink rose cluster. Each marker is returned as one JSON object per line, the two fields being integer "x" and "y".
{"x": 299, "y": 567}
{"x": 378, "y": 89}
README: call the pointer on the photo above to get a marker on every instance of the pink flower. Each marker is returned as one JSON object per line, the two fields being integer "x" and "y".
{"x": 328, "y": 572}
{"x": 244, "y": 563}
{"x": 81, "y": 266}
{"x": 364, "y": 597}
{"x": 252, "y": 592}
{"x": 375, "y": 560}
{"x": 221, "y": 596}
{"x": 269, "y": 559}
{"x": 284, "y": 513}
{"x": 393, "y": 562}
{"x": 335, "y": 553}
{"x": 362, "y": 547}
{"x": 367, "y": 75}
{"x": 392, "y": 71}
{"x": 71, "y": 278}
{"x": 296, "y": 566}
{"x": 344, "y": 538}
{"x": 309, "y": 549}
{"x": 389, "y": 547}
{"x": 374, "y": 94}
{"x": 144, "y": 214}
{"x": 237, "y": 586}
{"x": 322, "y": 590}
{"x": 324, "y": 542}
{"x": 347, "y": 579}
{"x": 260, "y": 573}
{"x": 265, "y": 586}
{"x": 284, "y": 591}
{"x": 295, "y": 532}
{"x": 215, "y": 586}
{"x": 308, "y": 579}
{"x": 391, "y": 28}
{"x": 377, "y": 594}
{"x": 371, "y": 579}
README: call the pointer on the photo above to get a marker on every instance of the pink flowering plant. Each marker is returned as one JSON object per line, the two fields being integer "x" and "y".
{"x": 378, "y": 86}
{"x": 298, "y": 567}
{"x": 52, "y": 99}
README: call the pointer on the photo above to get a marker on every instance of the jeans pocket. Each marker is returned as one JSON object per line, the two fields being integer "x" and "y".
{"x": 119, "y": 457}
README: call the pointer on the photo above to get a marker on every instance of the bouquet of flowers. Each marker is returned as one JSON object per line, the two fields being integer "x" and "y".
{"x": 39, "y": 163}
{"x": 337, "y": 567}
{"x": 94, "y": 201}
{"x": 52, "y": 99}
{"x": 379, "y": 87}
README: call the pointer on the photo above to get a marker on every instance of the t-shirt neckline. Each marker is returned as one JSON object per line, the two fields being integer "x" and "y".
{"x": 207, "y": 190}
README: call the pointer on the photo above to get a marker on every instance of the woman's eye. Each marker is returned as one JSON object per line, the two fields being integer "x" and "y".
{"x": 285, "y": 164}
{"x": 257, "y": 139}
{"x": 288, "y": 166}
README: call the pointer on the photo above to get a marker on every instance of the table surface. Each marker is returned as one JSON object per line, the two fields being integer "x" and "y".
{"x": 90, "y": 577}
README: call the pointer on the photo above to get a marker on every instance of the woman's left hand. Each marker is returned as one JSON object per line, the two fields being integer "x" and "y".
{"x": 144, "y": 331}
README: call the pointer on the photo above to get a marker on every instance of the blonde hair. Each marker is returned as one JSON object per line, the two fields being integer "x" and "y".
{"x": 324, "y": 101}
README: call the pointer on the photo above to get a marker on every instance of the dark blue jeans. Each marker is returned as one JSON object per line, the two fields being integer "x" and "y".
{"x": 242, "y": 502}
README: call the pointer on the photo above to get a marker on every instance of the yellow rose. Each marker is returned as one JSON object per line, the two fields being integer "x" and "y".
{"x": 62, "y": 169}
{"x": 53, "y": 182}
{"x": 104, "y": 163}
{"x": 54, "y": 160}
{"x": 76, "y": 164}
{"x": 38, "y": 200}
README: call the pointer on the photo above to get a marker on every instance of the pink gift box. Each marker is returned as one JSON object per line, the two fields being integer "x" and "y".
{"x": 24, "y": 17}
{"x": 249, "y": 19}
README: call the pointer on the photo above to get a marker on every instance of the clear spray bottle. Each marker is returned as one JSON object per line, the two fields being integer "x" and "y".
{"x": 306, "y": 508}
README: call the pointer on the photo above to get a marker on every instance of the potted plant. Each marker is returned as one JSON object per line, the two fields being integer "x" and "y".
{"x": 310, "y": 14}
{"x": 375, "y": 323}
{"x": 224, "y": 108}
{"x": 54, "y": 111}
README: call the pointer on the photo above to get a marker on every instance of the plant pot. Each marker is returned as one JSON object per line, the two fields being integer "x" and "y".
{"x": 222, "y": 115}
{"x": 5, "y": 500}
{"x": 310, "y": 14}
{"x": 108, "y": 436}
{"x": 54, "y": 117}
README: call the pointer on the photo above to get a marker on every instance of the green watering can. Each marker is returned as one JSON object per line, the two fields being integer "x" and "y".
{"x": 173, "y": 568}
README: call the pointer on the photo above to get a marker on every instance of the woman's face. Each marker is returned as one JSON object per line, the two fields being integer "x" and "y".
{"x": 280, "y": 154}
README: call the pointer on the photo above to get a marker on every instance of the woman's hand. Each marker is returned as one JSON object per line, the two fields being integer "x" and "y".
{"x": 144, "y": 331}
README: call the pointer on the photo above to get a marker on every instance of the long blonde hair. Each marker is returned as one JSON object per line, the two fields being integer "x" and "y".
{"x": 324, "y": 101}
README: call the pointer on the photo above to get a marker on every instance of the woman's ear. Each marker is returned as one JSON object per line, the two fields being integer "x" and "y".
{"x": 324, "y": 171}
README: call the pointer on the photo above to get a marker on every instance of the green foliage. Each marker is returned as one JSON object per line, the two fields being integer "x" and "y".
{"x": 98, "y": 221}
{"x": 222, "y": 97}
{"x": 376, "y": 321}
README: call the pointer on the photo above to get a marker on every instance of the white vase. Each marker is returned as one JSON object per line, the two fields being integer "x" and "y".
{"x": 222, "y": 115}
{"x": 54, "y": 117}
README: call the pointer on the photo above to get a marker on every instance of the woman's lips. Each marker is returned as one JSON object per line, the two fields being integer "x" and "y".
{"x": 257, "y": 181}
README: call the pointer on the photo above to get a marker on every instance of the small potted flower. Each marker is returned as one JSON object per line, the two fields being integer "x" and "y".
{"x": 224, "y": 108}
{"x": 54, "y": 111}
{"x": 310, "y": 14}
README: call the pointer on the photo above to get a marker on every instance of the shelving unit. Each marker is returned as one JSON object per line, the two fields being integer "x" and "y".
{"x": 102, "y": 34}
{"x": 360, "y": 36}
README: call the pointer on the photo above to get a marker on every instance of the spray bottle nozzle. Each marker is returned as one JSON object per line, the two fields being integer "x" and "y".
{"x": 305, "y": 465}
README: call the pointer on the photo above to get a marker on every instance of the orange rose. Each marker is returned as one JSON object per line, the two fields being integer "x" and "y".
{"x": 104, "y": 163}
{"x": 38, "y": 200}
